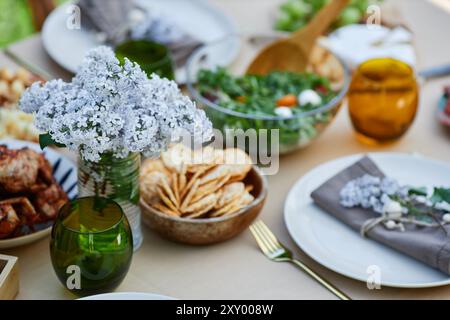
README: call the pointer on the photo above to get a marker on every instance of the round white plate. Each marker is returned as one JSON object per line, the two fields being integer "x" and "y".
{"x": 198, "y": 18}
{"x": 128, "y": 296}
{"x": 64, "y": 171}
{"x": 339, "y": 248}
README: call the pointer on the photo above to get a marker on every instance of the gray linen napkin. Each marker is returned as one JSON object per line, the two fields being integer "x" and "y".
{"x": 157, "y": 27}
{"x": 109, "y": 17}
{"x": 427, "y": 244}
{"x": 114, "y": 20}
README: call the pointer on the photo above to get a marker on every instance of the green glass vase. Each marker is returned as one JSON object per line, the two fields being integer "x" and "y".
{"x": 116, "y": 179}
{"x": 91, "y": 245}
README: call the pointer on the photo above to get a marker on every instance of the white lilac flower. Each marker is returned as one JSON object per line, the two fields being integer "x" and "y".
{"x": 113, "y": 108}
{"x": 389, "y": 186}
{"x": 373, "y": 193}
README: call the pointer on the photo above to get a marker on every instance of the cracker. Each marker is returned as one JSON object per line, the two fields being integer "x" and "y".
{"x": 190, "y": 194}
{"x": 149, "y": 183}
{"x": 235, "y": 205}
{"x": 230, "y": 192}
{"x": 201, "y": 207}
{"x": 165, "y": 210}
{"x": 175, "y": 190}
{"x": 197, "y": 183}
{"x": 219, "y": 193}
{"x": 210, "y": 187}
{"x": 166, "y": 200}
{"x": 222, "y": 210}
{"x": 193, "y": 179}
{"x": 238, "y": 163}
{"x": 151, "y": 165}
{"x": 199, "y": 214}
{"x": 203, "y": 156}
{"x": 194, "y": 168}
{"x": 175, "y": 157}
{"x": 244, "y": 201}
{"x": 237, "y": 157}
{"x": 216, "y": 173}
{"x": 182, "y": 180}
{"x": 168, "y": 191}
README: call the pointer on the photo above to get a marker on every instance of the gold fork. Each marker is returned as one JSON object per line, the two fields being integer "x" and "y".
{"x": 275, "y": 251}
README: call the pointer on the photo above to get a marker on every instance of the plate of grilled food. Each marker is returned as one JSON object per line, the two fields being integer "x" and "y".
{"x": 34, "y": 184}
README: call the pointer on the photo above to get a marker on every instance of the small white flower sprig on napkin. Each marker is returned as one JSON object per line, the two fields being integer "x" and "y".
{"x": 113, "y": 108}
{"x": 397, "y": 204}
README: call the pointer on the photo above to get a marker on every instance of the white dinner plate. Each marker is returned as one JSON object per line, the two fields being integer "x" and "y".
{"x": 198, "y": 18}
{"x": 128, "y": 296}
{"x": 339, "y": 248}
{"x": 64, "y": 171}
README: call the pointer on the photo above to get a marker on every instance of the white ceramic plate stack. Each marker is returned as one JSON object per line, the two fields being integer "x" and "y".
{"x": 339, "y": 248}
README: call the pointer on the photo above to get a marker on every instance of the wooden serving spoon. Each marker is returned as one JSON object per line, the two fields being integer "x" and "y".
{"x": 292, "y": 54}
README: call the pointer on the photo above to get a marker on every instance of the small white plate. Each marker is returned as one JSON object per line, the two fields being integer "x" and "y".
{"x": 339, "y": 248}
{"x": 198, "y": 18}
{"x": 128, "y": 296}
{"x": 64, "y": 171}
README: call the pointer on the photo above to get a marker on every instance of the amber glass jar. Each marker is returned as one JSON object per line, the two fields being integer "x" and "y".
{"x": 383, "y": 100}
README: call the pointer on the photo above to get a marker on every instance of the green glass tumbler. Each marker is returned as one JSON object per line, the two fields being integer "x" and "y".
{"x": 153, "y": 57}
{"x": 91, "y": 245}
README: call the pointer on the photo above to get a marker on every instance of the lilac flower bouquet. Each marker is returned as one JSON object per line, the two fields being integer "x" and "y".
{"x": 111, "y": 113}
{"x": 113, "y": 108}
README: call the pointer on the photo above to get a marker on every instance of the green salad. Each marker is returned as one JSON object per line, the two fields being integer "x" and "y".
{"x": 272, "y": 101}
{"x": 295, "y": 14}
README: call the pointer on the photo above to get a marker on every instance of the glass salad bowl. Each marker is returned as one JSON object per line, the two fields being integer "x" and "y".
{"x": 287, "y": 111}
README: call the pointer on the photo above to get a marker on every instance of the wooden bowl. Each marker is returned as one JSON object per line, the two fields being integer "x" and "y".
{"x": 209, "y": 230}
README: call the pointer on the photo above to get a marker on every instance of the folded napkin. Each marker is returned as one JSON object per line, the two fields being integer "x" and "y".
{"x": 155, "y": 26}
{"x": 109, "y": 18}
{"x": 116, "y": 21}
{"x": 430, "y": 245}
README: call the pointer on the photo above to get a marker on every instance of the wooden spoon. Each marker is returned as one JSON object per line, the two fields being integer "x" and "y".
{"x": 292, "y": 54}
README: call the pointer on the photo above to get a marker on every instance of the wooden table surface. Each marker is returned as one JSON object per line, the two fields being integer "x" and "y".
{"x": 236, "y": 269}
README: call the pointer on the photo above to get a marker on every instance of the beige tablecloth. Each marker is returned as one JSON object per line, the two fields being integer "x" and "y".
{"x": 236, "y": 269}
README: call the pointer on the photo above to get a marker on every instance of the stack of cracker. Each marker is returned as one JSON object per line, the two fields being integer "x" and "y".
{"x": 204, "y": 183}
